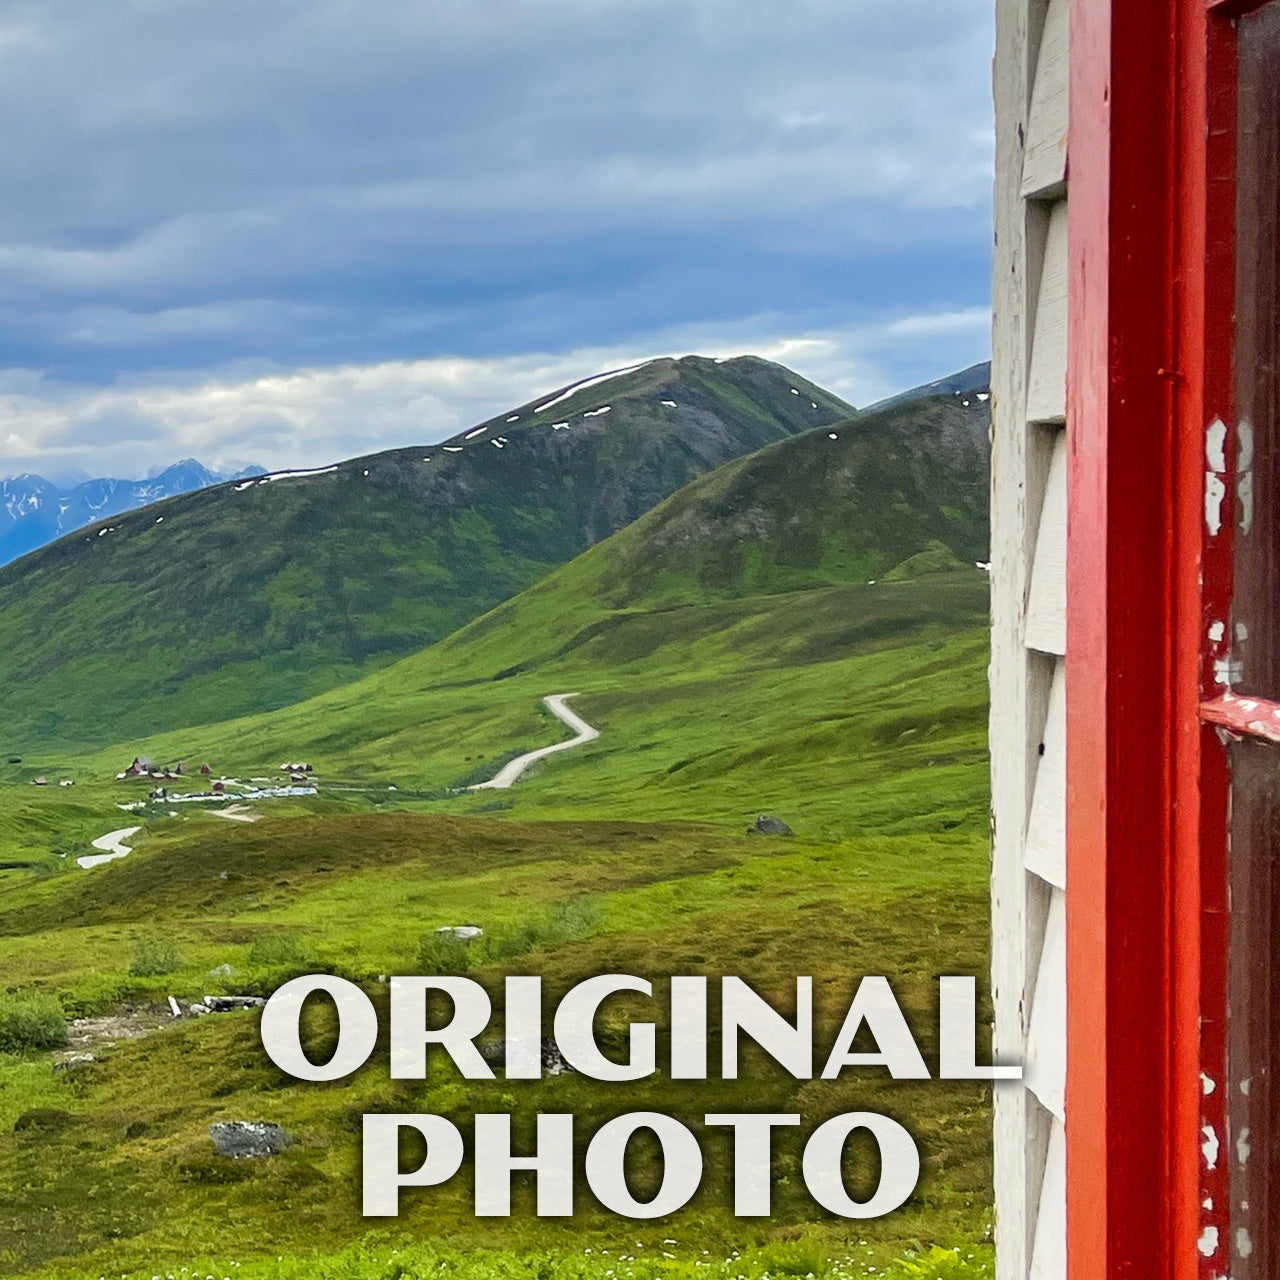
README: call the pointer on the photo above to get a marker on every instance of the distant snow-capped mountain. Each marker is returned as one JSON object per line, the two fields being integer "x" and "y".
{"x": 34, "y": 511}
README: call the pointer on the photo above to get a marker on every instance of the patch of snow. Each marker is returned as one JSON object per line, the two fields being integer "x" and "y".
{"x": 813, "y": 404}
{"x": 515, "y": 417}
{"x": 248, "y": 484}
{"x": 296, "y": 474}
{"x": 984, "y": 395}
{"x": 366, "y": 473}
{"x": 587, "y": 382}
{"x": 453, "y": 448}
{"x": 595, "y": 413}
{"x": 671, "y": 404}
{"x": 831, "y": 435}
{"x": 478, "y": 431}
{"x": 794, "y": 392}
{"x": 159, "y": 519}
{"x": 559, "y": 426}
{"x": 497, "y": 444}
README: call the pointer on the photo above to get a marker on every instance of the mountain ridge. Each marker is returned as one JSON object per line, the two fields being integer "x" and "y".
{"x": 258, "y": 593}
{"x": 35, "y": 511}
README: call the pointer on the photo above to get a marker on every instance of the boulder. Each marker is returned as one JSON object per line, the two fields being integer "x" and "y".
{"x": 248, "y": 1139}
{"x": 229, "y": 1004}
{"x": 462, "y": 932}
{"x": 767, "y": 825}
{"x": 553, "y": 1061}
{"x": 74, "y": 1060}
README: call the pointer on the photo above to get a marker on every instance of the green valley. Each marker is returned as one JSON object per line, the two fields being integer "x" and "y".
{"x": 801, "y": 633}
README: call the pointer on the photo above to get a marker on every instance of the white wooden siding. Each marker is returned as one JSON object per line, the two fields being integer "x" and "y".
{"x": 1028, "y": 688}
{"x": 1044, "y": 169}
{"x": 1046, "y": 1057}
{"x": 1051, "y": 1216}
{"x": 1047, "y": 607}
{"x": 1047, "y": 389}
{"x": 1046, "y": 849}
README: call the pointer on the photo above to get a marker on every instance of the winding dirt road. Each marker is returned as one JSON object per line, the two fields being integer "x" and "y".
{"x": 112, "y": 845}
{"x": 555, "y": 703}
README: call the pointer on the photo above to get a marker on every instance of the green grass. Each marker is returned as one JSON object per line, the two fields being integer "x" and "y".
{"x": 612, "y": 1258}
{"x": 754, "y": 672}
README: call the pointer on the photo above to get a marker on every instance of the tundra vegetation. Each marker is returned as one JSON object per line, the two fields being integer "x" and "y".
{"x": 747, "y": 647}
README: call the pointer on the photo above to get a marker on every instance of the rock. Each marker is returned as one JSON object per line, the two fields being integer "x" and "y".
{"x": 74, "y": 1060}
{"x": 196, "y": 1010}
{"x": 221, "y": 970}
{"x": 767, "y": 825}
{"x": 463, "y": 932}
{"x": 248, "y": 1139}
{"x": 229, "y": 1004}
{"x": 553, "y": 1061}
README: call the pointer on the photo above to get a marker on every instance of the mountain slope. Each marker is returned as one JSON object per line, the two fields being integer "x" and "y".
{"x": 34, "y": 512}
{"x": 973, "y": 381}
{"x": 255, "y": 594}
{"x": 738, "y": 622}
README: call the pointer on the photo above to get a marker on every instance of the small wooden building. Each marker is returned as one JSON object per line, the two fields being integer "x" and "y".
{"x": 1135, "y": 722}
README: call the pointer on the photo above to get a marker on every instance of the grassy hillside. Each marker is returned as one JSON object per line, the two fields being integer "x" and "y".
{"x": 253, "y": 595}
{"x": 802, "y": 633}
{"x": 799, "y": 555}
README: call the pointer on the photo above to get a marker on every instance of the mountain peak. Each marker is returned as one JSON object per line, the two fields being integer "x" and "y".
{"x": 344, "y": 567}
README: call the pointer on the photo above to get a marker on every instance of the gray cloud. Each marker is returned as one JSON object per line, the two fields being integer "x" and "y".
{"x": 312, "y": 416}
{"x": 242, "y": 228}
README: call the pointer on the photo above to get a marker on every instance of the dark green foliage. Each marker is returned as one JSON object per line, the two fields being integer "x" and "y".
{"x": 279, "y": 950}
{"x": 153, "y": 958}
{"x": 31, "y": 1022}
{"x": 563, "y": 923}
{"x": 442, "y": 953}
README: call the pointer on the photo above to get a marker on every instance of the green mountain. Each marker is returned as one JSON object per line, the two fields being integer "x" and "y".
{"x": 255, "y": 594}
{"x": 737, "y": 593}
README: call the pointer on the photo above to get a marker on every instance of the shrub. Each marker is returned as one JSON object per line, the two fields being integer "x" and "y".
{"x": 440, "y": 954}
{"x": 279, "y": 950}
{"x": 154, "y": 957}
{"x": 563, "y": 923}
{"x": 31, "y": 1022}
{"x": 792, "y": 1258}
{"x": 945, "y": 1264}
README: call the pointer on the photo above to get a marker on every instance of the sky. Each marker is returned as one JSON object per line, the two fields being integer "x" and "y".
{"x": 286, "y": 232}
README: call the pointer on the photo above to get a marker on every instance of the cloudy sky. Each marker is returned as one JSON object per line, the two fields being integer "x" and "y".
{"x": 288, "y": 231}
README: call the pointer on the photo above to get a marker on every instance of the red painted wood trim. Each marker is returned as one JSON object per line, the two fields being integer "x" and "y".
{"x": 1234, "y": 8}
{"x": 1120, "y": 654}
{"x": 1205, "y": 274}
{"x": 1245, "y": 717}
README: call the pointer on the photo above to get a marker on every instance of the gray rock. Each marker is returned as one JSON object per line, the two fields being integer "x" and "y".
{"x": 248, "y": 1139}
{"x": 553, "y": 1061}
{"x": 74, "y": 1060}
{"x": 229, "y": 1004}
{"x": 767, "y": 825}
